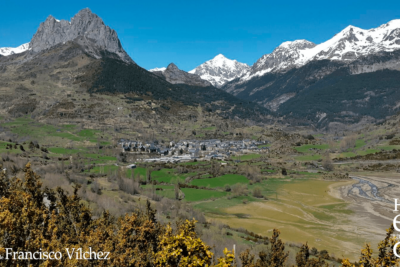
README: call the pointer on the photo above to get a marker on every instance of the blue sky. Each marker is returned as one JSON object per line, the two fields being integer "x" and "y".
{"x": 156, "y": 33}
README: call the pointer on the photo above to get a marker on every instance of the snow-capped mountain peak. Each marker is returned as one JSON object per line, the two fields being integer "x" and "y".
{"x": 346, "y": 46}
{"x": 393, "y": 24}
{"x": 6, "y": 51}
{"x": 219, "y": 57}
{"x": 220, "y": 61}
{"x": 220, "y": 70}
{"x": 297, "y": 44}
{"x": 158, "y": 69}
{"x": 286, "y": 55}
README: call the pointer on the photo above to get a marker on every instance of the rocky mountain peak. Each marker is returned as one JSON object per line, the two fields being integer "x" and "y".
{"x": 172, "y": 67}
{"x": 176, "y": 76}
{"x": 85, "y": 28}
{"x": 49, "y": 18}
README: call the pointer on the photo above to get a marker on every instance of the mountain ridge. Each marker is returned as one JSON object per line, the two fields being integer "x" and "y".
{"x": 346, "y": 46}
{"x": 174, "y": 75}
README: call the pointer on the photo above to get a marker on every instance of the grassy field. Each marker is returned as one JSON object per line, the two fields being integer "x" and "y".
{"x": 161, "y": 176}
{"x": 218, "y": 206}
{"x": 227, "y": 179}
{"x": 194, "y": 163}
{"x": 169, "y": 176}
{"x": 359, "y": 143}
{"x": 266, "y": 145}
{"x": 308, "y": 157}
{"x": 387, "y": 147}
{"x": 104, "y": 169}
{"x": 306, "y": 148}
{"x": 247, "y": 157}
{"x": 58, "y": 135}
{"x": 63, "y": 151}
{"x": 367, "y": 151}
{"x": 3, "y": 147}
{"x": 268, "y": 170}
{"x": 192, "y": 194}
{"x": 347, "y": 154}
{"x": 167, "y": 191}
{"x": 211, "y": 128}
{"x": 309, "y": 152}
{"x": 97, "y": 158}
{"x": 302, "y": 209}
{"x": 88, "y": 133}
{"x": 269, "y": 189}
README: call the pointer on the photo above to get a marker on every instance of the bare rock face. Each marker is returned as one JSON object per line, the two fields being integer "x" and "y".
{"x": 176, "y": 76}
{"x": 85, "y": 28}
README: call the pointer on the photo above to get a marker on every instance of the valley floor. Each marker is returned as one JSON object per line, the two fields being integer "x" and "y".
{"x": 328, "y": 215}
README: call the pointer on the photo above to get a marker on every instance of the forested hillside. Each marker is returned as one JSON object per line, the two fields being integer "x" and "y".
{"x": 326, "y": 91}
{"x": 117, "y": 77}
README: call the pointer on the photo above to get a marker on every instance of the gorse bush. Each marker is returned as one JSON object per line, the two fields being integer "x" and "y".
{"x": 385, "y": 257}
{"x": 35, "y": 219}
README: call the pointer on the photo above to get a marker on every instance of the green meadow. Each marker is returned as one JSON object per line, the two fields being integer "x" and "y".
{"x": 192, "y": 194}
{"x": 227, "y": 179}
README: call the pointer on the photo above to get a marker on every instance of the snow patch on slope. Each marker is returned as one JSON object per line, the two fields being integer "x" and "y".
{"x": 7, "y": 51}
{"x": 158, "y": 69}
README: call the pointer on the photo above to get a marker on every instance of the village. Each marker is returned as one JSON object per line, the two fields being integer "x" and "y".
{"x": 188, "y": 150}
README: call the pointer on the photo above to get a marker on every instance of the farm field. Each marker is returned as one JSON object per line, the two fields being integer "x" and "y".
{"x": 192, "y": 194}
{"x": 306, "y": 148}
{"x": 247, "y": 157}
{"x": 304, "y": 210}
{"x": 167, "y": 191}
{"x": 169, "y": 176}
{"x": 227, "y": 179}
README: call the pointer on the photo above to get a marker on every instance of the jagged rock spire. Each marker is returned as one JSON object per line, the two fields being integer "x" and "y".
{"x": 85, "y": 28}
